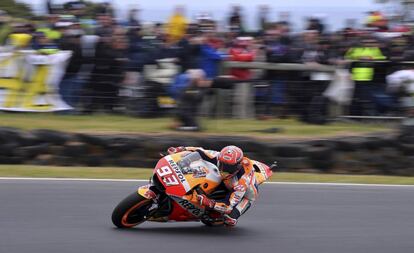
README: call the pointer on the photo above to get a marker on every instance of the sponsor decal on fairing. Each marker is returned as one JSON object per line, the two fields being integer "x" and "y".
{"x": 179, "y": 173}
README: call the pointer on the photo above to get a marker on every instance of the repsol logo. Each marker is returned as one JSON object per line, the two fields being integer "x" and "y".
{"x": 177, "y": 170}
{"x": 190, "y": 207}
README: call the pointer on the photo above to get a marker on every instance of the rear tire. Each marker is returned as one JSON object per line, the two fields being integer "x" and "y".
{"x": 131, "y": 211}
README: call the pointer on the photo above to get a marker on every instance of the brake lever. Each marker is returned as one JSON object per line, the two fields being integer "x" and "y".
{"x": 274, "y": 165}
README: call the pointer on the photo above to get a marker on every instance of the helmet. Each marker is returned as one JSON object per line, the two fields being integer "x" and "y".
{"x": 229, "y": 160}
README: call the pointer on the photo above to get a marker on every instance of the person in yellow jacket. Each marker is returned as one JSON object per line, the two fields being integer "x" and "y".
{"x": 20, "y": 38}
{"x": 368, "y": 51}
{"x": 177, "y": 25}
{"x": 366, "y": 67}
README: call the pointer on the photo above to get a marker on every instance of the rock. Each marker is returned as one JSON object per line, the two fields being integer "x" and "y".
{"x": 29, "y": 139}
{"x": 8, "y": 148}
{"x": 372, "y": 154}
{"x": 135, "y": 163}
{"x": 319, "y": 150}
{"x": 51, "y": 136}
{"x": 44, "y": 159}
{"x": 288, "y": 150}
{"x": 373, "y": 143}
{"x": 60, "y": 160}
{"x": 292, "y": 163}
{"x": 323, "y": 165}
{"x": 30, "y": 152}
{"x": 406, "y": 148}
{"x": 349, "y": 144}
{"x": 74, "y": 149}
{"x": 56, "y": 150}
{"x": 91, "y": 139}
{"x": 9, "y": 134}
{"x": 93, "y": 160}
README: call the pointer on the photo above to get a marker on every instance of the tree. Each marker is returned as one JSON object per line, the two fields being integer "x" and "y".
{"x": 16, "y": 9}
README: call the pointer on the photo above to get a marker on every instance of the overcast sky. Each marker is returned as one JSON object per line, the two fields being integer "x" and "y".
{"x": 198, "y": 3}
{"x": 335, "y": 11}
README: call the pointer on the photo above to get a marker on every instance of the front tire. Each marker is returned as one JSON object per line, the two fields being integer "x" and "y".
{"x": 131, "y": 211}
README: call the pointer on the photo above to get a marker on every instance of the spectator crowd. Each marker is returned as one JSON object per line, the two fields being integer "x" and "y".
{"x": 149, "y": 68}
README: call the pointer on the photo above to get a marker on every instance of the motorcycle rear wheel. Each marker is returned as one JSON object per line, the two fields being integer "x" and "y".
{"x": 131, "y": 211}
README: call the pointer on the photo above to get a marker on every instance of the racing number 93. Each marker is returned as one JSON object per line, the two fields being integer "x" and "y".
{"x": 167, "y": 176}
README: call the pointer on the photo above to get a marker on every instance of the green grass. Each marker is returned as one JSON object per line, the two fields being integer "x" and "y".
{"x": 134, "y": 173}
{"x": 124, "y": 124}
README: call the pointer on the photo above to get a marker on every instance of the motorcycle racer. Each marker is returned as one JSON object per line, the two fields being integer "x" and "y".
{"x": 238, "y": 176}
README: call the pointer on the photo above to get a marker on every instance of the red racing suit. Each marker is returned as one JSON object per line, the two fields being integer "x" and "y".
{"x": 242, "y": 186}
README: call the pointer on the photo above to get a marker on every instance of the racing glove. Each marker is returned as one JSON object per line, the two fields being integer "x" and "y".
{"x": 203, "y": 200}
{"x": 174, "y": 150}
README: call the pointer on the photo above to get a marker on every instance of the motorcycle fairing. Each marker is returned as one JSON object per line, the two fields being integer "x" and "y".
{"x": 143, "y": 191}
{"x": 262, "y": 172}
{"x": 177, "y": 183}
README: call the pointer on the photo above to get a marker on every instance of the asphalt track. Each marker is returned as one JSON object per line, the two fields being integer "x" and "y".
{"x": 74, "y": 216}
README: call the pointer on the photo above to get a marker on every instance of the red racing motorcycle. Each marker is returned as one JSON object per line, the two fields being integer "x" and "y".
{"x": 177, "y": 180}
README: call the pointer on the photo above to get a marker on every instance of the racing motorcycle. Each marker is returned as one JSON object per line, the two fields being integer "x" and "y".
{"x": 177, "y": 180}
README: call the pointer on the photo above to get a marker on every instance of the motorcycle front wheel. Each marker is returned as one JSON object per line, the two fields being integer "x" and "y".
{"x": 131, "y": 211}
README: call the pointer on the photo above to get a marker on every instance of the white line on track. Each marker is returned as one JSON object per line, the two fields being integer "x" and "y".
{"x": 146, "y": 180}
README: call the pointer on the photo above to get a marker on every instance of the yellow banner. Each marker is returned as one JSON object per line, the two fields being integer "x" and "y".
{"x": 25, "y": 83}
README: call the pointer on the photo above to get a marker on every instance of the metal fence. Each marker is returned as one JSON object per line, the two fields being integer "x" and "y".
{"x": 28, "y": 86}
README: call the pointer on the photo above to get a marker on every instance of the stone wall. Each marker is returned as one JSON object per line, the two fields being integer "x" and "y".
{"x": 389, "y": 154}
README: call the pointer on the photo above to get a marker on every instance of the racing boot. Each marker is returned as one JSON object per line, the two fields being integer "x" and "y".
{"x": 229, "y": 221}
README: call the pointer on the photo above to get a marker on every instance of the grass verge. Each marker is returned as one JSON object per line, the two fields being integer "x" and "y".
{"x": 123, "y": 124}
{"x": 134, "y": 173}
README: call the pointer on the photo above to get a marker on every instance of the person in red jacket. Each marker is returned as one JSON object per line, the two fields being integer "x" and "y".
{"x": 242, "y": 52}
{"x": 243, "y": 95}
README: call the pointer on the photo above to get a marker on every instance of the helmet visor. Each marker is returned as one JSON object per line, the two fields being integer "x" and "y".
{"x": 227, "y": 169}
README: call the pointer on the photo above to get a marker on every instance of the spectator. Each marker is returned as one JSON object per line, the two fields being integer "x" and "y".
{"x": 377, "y": 21}
{"x": 397, "y": 49}
{"x": 189, "y": 50}
{"x": 49, "y": 7}
{"x": 316, "y": 52}
{"x": 105, "y": 26}
{"x": 177, "y": 25}
{"x": 235, "y": 22}
{"x": 263, "y": 18}
{"x": 5, "y": 28}
{"x": 72, "y": 84}
{"x": 21, "y": 37}
{"x": 44, "y": 44}
{"x": 137, "y": 49}
{"x": 272, "y": 100}
{"x": 366, "y": 75}
{"x": 210, "y": 56}
{"x": 205, "y": 23}
{"x": 108, "y": 73}
{"x": 401, "y": 83}
{"x": 133, "y": 21}
{"x": 188, "y": 89}
{"x": 75, "y": 8}
{"x": 242, "y": 52}
{"x": 50, "y": 30}
{"x": 315, "y": 24}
